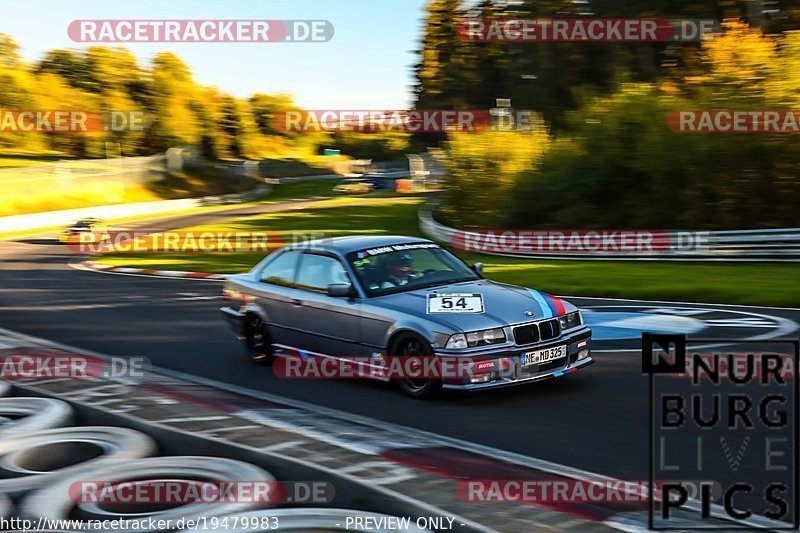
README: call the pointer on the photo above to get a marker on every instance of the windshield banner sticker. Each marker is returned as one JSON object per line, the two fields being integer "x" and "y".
{"x": 396, "y": 248}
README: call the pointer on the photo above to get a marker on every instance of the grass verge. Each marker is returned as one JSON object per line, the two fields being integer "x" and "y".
{"x": 748, "y": 283}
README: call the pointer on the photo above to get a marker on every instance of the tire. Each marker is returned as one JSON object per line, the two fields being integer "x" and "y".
{"x": 258, "y": 341}
{"x": 5, "y": 388}
{"x": 410, "y": 344}
{"x": 29, "y": 462}
{"x": 5, "y": 506}
{"x": 23, "y": 416}
{"x": 307, "y": 519}
{"x": 58, "y": 500}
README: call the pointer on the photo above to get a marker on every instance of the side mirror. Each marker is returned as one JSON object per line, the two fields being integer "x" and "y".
{"x": 478, "y": 268}
{"x": 340, "y": 290}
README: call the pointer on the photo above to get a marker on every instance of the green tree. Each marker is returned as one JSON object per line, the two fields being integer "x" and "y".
{"x": 17, "y": 89}
{"x": 173, "y": 95}
{"x": 265, "y": 107}
{"x": 441, "y": 63}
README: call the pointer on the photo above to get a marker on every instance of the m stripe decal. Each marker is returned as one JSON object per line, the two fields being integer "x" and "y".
{"x": 546, "y": 311}
{"x": 555, "y": 304}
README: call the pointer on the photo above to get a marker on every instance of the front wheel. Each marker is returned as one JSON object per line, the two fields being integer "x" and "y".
{"x": 257, "y": 340}
{"x": 410, "y": 345}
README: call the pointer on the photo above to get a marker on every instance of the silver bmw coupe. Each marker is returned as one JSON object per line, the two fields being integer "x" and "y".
{"x": 366, "y": 299}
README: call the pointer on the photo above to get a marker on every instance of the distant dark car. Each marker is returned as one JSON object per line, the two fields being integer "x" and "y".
{"x": 85, "y": 230}
{"x": 354, "y": 186}
{"x": 371, "y": 296}
{"x": 385, "y": 180}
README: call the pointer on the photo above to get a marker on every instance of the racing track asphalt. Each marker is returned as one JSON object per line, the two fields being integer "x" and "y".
{"x": 595, "y": 419}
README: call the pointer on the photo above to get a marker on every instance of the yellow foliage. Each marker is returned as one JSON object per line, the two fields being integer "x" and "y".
{"x": 739, "y": 62}
{"x": 484, "y": 167}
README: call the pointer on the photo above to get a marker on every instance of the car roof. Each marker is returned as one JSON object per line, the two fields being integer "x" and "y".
{"x": 345, "y": 245}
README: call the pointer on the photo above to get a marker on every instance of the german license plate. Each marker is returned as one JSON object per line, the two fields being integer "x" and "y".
{"x": 543, "y": 356}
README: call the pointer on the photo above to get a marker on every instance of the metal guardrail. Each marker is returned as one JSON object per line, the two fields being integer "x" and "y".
{"x": 782, "y": 245}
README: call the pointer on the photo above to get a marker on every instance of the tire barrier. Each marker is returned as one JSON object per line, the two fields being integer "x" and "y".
{"x": 44, "y": 473}
{"x": 30, "y": 461}
{"x": 307, "y": 519}
{"x": 5, "y": 506}
{"x": 23, "y": 416}
{"x": 62, "y": 499}
{"x": 5, "y": 388}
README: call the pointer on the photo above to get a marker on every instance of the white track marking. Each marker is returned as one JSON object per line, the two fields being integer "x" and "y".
{"x": 785, "y": 326}
{"x": 192, "y": 419}
{"x": 678, "y": 303}
{"x": 79, "y": 266}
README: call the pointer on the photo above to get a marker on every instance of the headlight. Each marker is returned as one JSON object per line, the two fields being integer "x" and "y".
{"x": 476, "y": 338}
{"x": 456, "y": 342}
{"x": 570, "y": 320}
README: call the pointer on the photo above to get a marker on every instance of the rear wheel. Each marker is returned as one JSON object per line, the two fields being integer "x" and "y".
{"x": 411, "y": 345}
{"x": 257, "y": 340}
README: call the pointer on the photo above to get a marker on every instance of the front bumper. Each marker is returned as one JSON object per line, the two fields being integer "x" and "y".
{"x": 509, "y": 382}
{"x": 517, "y": 374}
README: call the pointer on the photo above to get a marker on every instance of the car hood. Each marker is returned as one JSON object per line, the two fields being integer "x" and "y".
{"x": 503, "y": 305}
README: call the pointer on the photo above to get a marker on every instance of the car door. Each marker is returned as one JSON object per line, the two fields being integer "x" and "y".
{"x": 325, "y": 324}
{"x": 277, "y": 295}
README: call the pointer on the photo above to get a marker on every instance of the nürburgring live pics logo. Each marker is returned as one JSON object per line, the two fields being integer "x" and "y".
{"x": 723, "y": 433}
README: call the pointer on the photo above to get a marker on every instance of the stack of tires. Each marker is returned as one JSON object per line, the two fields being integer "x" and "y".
{"x": 43, "y": 456}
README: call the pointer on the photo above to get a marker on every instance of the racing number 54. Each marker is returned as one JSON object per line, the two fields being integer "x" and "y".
{"x": 447, "y": 302}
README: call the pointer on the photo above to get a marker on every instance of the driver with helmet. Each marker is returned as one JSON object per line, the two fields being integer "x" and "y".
{"x": 400, "y": 271}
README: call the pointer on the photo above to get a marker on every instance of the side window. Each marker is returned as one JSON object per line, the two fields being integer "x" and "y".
{"x": 281, "y": 270}
{"x": 319, "y": 271}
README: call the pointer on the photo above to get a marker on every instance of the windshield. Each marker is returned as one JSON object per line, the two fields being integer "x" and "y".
{"x": 405, "y": 267}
